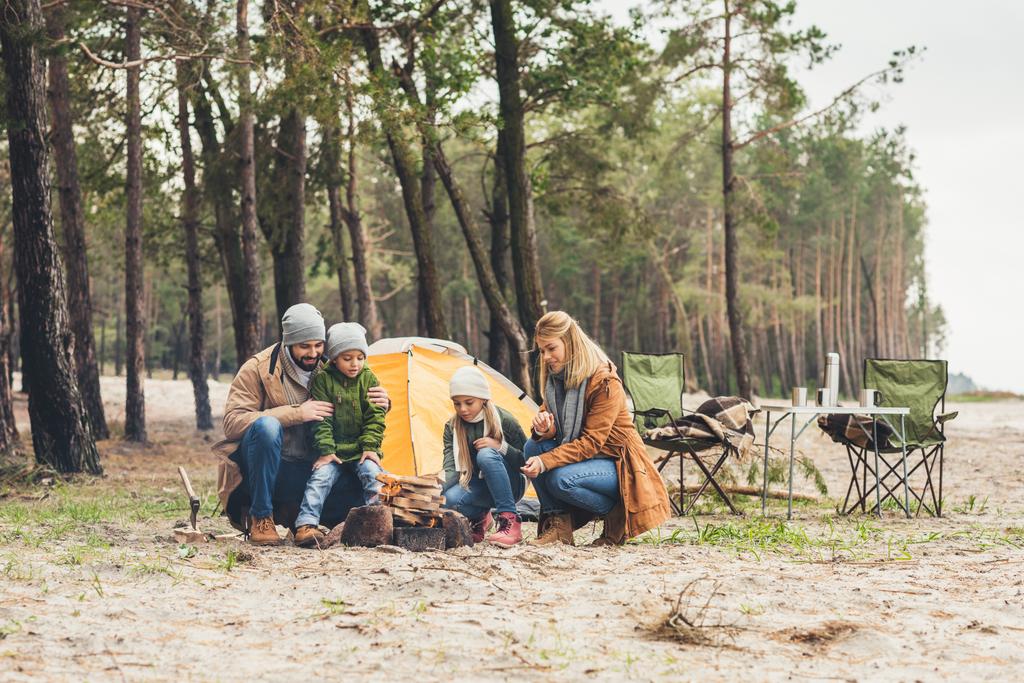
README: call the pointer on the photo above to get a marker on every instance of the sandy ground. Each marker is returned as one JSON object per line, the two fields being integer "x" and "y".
{"x": 94, "y": 588}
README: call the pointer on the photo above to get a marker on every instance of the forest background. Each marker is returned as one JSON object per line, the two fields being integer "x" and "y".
{"x": 455, "y": 169}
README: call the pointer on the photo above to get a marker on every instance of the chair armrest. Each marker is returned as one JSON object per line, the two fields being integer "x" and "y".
{"x": 946, "y": 417}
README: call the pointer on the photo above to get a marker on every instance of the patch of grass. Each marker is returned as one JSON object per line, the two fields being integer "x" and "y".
{"x": 970, "y": 503}
{"x": 848, "y": 539}
{"x": 229, "y": 561}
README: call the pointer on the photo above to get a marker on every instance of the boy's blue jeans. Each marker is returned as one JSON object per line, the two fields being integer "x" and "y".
{"x": 268, "y": 478}
{"x": 500, "y": 487}
{"x": 322, "y": 480}
{"x": 591, "y": 485}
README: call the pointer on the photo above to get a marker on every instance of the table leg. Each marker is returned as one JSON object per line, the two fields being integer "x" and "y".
{"x": 764, "y": 479}
{"x": 792, "y": 448}
{"x": 878, "y": 481}
{"x": 903, "y": 446}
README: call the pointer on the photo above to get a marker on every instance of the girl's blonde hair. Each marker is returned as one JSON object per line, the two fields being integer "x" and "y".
{"x": 582, "y": 354}
{"x": 492, "y": 428}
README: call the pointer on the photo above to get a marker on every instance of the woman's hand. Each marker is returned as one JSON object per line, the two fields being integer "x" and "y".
{"x": 326, "y": 460}
{"x": 544, "y": 424}
{"x": 533, "y": 467}
{"x": 487, "y": 442}
{"x": 370, "y": 455}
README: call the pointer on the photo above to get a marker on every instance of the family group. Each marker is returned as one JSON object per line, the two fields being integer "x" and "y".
{"x": 304, "y": 426}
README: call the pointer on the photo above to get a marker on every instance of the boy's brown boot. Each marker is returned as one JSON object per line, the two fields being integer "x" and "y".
{"x": 558, "y": 529}
{"x": 308, "y": 536}
{"x": 263, "y": 532}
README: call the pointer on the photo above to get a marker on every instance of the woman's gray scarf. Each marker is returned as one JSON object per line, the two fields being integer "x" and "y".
{"x": 567, "y": 405}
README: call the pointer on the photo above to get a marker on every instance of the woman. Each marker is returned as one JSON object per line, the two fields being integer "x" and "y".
{"x": 585, "y": 457}
{"x": 482, "y": 455}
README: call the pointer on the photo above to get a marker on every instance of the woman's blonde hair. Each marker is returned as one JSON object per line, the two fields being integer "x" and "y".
{"x": 582, "y": 354}
{"x": 492, "y": 428}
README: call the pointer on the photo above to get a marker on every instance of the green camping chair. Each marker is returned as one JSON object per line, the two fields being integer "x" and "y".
{"x": 655, "y": 382}
{"x": 921, "y": 386}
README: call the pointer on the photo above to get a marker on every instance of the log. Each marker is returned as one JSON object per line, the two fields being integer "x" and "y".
{"x": 188, "y": 535}
{"x": 415, "y": 518}
{"x": 418, "y": 539}
{"x": 457, "y": 530}
{"x": 755, "y": 491}
{"x": 370, "y": 525}
{"x": 403, "y": 502}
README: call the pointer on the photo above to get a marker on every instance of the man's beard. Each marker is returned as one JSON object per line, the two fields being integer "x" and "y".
{"x": 307, "y": 365}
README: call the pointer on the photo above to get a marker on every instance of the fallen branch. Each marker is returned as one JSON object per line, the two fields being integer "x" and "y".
{"x": 755, "y": 491}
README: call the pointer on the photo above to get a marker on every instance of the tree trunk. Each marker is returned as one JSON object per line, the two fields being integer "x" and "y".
{"x": 190, "y": 225}
{"x": 732, "y": 303}
{"x": 525, "y": 265}
{"x": 9, "y": 438}
{"x": 485, "y": 274}
{"x": 135, "y": 357}
{"x": 252, "y": 306}
{"x": 368, "y": 314}
{"x": 499, "y": 346}
{"x": 282, "y": 212}
{"x": 61, "y": 435}
{"x": 73, "y": 227}
{"x": 429, "y": 285}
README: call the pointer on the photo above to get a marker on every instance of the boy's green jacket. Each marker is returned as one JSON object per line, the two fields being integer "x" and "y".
{"x": 356, "y": 425}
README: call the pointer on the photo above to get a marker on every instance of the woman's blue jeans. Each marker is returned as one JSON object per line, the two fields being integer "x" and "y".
{"x": 591, "y": 485}
{"x": 500, "y": 487}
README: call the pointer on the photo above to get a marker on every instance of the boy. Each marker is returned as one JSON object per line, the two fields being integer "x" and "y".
{"x": 348, "y": 440}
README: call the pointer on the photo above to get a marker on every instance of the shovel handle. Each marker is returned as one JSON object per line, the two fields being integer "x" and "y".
{"x": 188, "y": 485}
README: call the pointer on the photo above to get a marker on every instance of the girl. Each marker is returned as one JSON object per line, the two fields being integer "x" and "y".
{"x": 585, "y": 456}
{"x": 483, "y": 453}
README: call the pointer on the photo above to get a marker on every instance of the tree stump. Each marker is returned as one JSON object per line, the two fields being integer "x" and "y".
{"x": 333, "y": 537}
{"x": 419, "y": 538}
{"x": 369, "y": 526}
{"x": 457, "y": 530}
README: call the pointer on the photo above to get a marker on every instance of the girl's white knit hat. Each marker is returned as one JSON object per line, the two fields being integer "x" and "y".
{"x": 469, "y": 381}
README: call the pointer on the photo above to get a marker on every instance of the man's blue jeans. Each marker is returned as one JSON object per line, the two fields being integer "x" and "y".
{"x": 591, "y": 485}
{"x": 500, "y": 487}
{"x": 322, "y": 480}
{"x": 269, "y": 479}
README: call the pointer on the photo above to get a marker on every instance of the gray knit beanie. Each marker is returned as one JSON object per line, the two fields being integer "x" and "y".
{"x": 301, "y": 323}
{"x": 346, "y": 337}
{"x": 469, "y": 381}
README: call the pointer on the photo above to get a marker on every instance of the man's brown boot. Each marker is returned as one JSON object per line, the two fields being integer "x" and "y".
{"x": 308, "y": 536}
{"x": 558, "y": 529}
{"x": 263, "y": 532}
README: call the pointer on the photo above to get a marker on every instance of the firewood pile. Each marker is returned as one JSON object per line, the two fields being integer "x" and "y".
{"x": 414, "y": 501}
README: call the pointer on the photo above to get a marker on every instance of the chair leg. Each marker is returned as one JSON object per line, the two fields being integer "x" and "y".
{"x": 709, "y": 478}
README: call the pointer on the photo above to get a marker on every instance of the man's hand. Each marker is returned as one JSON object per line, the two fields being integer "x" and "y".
{"x": 544, "y": 424}
{"x": 533, "y": 467}
{"x": 378, "y": 396}
{"x": 370, "y": 455}
{"x": 487, "y": 442}
{"x": 326, "y": 460}
{"x": 316, "y": 411}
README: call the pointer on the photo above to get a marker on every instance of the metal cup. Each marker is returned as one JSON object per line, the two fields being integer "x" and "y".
{"x": 799, "y": 396}
{"x": 869, "y": 398}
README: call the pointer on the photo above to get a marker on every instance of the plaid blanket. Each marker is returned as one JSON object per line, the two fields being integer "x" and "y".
{"x": 856, "y": 430}
{"x": 723, "y": 419}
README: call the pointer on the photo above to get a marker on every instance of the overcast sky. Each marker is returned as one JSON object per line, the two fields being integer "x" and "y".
{"x": 963, "y": 105}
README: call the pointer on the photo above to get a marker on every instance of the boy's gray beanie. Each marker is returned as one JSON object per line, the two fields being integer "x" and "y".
{"x": 346, "y": 337}
{"x": 301, "y": 323}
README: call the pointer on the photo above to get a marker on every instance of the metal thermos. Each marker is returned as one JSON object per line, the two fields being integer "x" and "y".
{"x": 832, "y": 378}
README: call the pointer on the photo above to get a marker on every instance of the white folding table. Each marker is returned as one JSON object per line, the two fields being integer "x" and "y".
{"x": 812, "y": 412}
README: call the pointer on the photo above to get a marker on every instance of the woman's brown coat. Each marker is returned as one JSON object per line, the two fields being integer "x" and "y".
{"x": 608, "y": 430}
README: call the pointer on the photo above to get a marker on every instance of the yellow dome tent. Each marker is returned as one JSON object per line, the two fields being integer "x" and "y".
{"x": 416, "y": 371}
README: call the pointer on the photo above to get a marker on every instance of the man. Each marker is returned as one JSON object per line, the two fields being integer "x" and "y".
{"x": 266, "y": 455}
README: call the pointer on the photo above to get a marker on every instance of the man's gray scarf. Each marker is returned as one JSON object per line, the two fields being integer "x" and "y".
{"x": 567, "y": 405}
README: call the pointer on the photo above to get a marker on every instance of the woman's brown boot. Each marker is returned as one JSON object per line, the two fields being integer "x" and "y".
{"x": 557, "y": 529}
